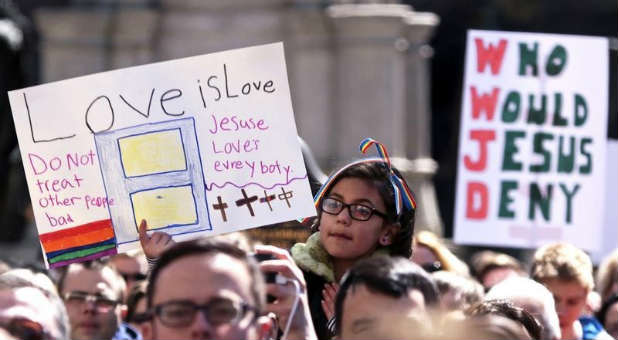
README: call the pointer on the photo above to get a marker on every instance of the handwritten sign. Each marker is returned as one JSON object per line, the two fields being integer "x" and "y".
{"x": 196, "y": 146}
{"x": 533, "y": 140}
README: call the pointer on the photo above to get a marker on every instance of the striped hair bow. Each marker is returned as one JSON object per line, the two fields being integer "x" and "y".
{"x": 403, "y": 194}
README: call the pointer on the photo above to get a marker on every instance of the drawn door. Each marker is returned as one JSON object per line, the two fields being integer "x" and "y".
{"x": 154, "y": 172}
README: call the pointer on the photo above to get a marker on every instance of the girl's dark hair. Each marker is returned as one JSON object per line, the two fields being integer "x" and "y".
{"x": 378, "y": 174}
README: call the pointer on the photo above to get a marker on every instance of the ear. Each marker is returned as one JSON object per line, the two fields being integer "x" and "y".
{"x": 265, "y": 328}
{"x": 388, "y": 234}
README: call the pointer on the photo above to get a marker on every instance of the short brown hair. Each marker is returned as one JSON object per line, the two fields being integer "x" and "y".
{"x": 564, "y": 262}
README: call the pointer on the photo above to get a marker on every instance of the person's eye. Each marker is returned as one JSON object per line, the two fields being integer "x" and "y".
{"x": 363, "y": 211}
{"x": 177, "y": 311}
{"x": 76, "y": 297}
{"x": 224, "y": 312}
{"x": 331, "y": 203}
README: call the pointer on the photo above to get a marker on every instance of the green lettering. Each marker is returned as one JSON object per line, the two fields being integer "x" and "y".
{"x": 537, "y": 116}
{"x": 586, "y": 168}
{"x": 510, "y": 108}
{"x": 538, "y": 148}
{"x": 537, "y": 199}
{"x": 569, "y": 199}
{"x": 510, "y": 150}
{"x": 505, "y": 199}
{"x": 566, "y": 162}
{"x": 581, "y": 110}
{"x": 528, "y": 59}
{"x": 558, "y": 119}
{"x": 556, "y": 61}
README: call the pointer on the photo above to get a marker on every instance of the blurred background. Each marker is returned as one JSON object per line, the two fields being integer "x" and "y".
{"x": 392, "y": 70}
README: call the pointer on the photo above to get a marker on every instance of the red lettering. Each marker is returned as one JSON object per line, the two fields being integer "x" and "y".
{"x": 490, "y": 55}
{"x": 477, "y": 211}
{"x": 484, "y": 137}
{"x": 484, "y": 102}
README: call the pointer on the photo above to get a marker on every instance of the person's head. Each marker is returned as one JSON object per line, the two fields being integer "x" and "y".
{"x": 431, "y": 253}
{"x": 357, "y": 212}
{"x": 132, "y": 266}
{"x": 93, "y": 295}
{"x": 607, "y": 276}
{"x": 532, "y": 296}
{"x": 567, "y": 272}
{"x": 486, "y": 327}
{"x": 29, "y": 310}
{"x": 491, "y": 267}
{"x": 205, "y": 289}
{"x": 508, "y": 310}
{"x": 379, "y": 291}
{"x": 137, "y": 306}
{"x": 457, "y": 292}
{"x": 608, "y": 315}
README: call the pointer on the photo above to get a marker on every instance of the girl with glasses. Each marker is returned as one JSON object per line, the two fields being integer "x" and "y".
{"x": 364, "y": 209}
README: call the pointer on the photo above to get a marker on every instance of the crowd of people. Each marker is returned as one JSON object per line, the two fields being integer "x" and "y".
{"x": 362, "y": 274}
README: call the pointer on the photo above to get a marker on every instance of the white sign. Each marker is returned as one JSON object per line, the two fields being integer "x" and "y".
{"x": 196, "y": 147}
{"x": 532, "y": 146}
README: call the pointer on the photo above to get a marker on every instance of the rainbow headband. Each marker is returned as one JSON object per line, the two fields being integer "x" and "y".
{"x": 403, "y": 194}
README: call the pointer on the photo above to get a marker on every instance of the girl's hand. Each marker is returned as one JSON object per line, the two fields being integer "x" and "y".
{"x": 285, "y": 294}
{"x": 153, "y": 245}
{"x": 328, "y": 299}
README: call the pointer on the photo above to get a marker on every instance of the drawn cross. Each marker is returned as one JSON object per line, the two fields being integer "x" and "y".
{"x": 286, "y": 195}
{"x": 247, "y": 201}
{"x": 266, "y": 199}
{"x": 221, "y": 206}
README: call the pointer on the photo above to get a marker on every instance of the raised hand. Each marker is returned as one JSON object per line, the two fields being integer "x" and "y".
{"x": 153, "y": 245}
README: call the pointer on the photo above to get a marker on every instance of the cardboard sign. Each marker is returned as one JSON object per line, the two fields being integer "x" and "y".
{"x": 196, "y": 146}
{"x": 533, "y": 138}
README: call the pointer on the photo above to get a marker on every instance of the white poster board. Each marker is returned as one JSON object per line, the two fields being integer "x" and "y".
{"x": 532, "y": 144}
{"x": 197, "y": 146}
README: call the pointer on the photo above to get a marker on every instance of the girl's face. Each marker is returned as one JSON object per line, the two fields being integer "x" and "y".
{"x": 347, "y": 238}
{"x": 570, "y": 298}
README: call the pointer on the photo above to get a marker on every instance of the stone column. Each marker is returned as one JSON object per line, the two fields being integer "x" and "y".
{"x": 370, "y": 78}
{"x": 309, "y": 57}
{"x": 382, "y": 92}
{"x": 420, "y": 168}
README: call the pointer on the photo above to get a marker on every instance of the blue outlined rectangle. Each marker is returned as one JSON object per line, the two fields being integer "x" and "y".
{"x": 161, "y": 158}
{"x": 121, "y": 188}
{"x": 151, "y": 205}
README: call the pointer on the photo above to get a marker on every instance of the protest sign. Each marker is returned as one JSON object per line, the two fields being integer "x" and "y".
{"x": 196, "y": 146}
{"x": 532, "y": 144}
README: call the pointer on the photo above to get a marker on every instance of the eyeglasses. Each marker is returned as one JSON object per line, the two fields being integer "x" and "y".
{"x": 25, "y": 329}
{"x": 218, "y": 311}
{"x": 357, "y": 212}
{"x": 133, "y": 276}
{"x": 101, "y": 303}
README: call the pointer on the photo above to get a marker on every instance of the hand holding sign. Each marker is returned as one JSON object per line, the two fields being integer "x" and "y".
{"x": 154, "y": 244}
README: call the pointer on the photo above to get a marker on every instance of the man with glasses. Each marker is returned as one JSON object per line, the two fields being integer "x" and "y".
{"x": 206, "y": 289}
{"x": 93, "y": 293}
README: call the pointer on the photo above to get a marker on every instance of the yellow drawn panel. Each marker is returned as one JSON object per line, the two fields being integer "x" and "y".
{"x": 152, "y": 153}
{"x": 164, "y": 206}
